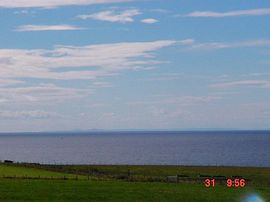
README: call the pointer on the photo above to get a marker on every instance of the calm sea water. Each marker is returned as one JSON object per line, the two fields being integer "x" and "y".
{"x": 238, "y": 148}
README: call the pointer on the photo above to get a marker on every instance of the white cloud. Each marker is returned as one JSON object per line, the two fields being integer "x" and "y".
{"x": 159, "y": 10}
{"x": 53, "y": 3}
{"x": 256, "y": 74}
{"x": 237, "y": 44}
{"x": 27, "y": 28}
{"x": 10, "y": 115}
{"x": 112, "y": 16}
{"x": 92, "y": 61}
{"x": 186, "y": 42}
{"x": 24, "y": 12}
{"x": 149, "y": 21}
{"x": 9, "y": 82}
{"x": 67, "y": 63}
{"x": 252, "y": 12}
{"x": 40, "y": 93}
{"x": 106, "y": 59}
{"x": 247, "y": 83}
{"x": 102, "y": 84}
{"x": 183, "y": 76}
{"x": 179, "y": 100}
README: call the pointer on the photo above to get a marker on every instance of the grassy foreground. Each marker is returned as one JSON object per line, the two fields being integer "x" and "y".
{"x": 47, "y": 183}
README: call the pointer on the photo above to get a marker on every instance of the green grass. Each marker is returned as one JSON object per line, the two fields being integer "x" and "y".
{"x": 258, "y": 176}
{"x": 46, "y": 190}
{"x": 20, "y": 171}
{"x": 102, "y": 188}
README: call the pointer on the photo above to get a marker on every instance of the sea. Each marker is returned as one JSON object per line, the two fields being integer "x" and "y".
{"x": 216, "y": 148}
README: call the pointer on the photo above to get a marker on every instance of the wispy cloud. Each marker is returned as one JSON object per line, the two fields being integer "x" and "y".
{"x": 247, "y": 83}
{"x": 112, "y": 16}
{"x": 256, "y": 74}
{"x": 99, "y": 61}
{"x": 237, "y": 44}
{"x": 9, "y": 82}
{"x": 24, "y": 12}
{"x": 102, "y": 84}
{"x": 179, "y": 100}
{"x": 251, "y": 12}
{"x": 40, "y": 93}
{"x": 106, "y": 58}
{"x": 30, "y": 28}
{"x": 159, "y": 10}
{"x": 181, "y": 76}
{"x": 149, "y": 21}
{"x": 53, "y": 3}
{"x": 92, "y": 61}
{"x": 10, "y": 115}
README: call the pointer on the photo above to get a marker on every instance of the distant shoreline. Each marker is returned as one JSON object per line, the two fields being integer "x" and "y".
{"x": 137, "y": 131}
{"x": 134, "y": 165}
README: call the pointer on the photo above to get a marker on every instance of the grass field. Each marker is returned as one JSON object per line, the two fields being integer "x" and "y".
{"x": 258, "y": 176}
{"x": 17, "y": 171}
{"x": 106, "y": 188}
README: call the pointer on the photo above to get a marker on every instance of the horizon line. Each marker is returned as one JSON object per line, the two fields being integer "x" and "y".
{"x": 138, "y": 130}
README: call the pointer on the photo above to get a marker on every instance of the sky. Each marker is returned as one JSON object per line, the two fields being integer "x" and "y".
{"x": 134, "y": 64}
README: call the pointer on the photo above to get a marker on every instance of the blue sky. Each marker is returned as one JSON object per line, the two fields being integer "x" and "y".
{"x": 141, "y": 64}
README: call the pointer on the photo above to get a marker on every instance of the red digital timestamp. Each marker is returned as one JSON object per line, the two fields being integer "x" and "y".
{"x": 237, "y": 183}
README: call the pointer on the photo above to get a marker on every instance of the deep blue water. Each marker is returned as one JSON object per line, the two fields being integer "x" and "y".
{"x": 237, "y": 148}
